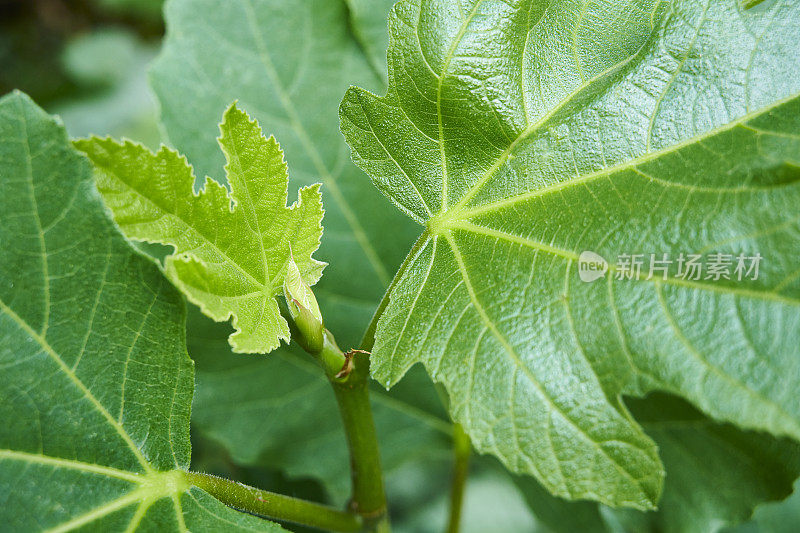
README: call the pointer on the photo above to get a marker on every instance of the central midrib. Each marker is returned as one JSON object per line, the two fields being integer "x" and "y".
{"x": 177, "y": 217}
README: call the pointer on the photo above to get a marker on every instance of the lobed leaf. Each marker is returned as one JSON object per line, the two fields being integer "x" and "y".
{"x": 525, "y": 133}
{"x": 288, "y": 63}
{"x": 96, "y": 385}
{"x": 230, "y": 250}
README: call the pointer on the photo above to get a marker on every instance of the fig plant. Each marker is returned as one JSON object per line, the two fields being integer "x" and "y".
{"x": 603, "y": 286}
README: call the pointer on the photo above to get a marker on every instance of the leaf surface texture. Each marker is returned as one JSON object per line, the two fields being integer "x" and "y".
{"x": 96, "y": 383}
{"x": 231, "y": 250}
{"x": 717, "y": 475}
{"x": 523, "y": 133}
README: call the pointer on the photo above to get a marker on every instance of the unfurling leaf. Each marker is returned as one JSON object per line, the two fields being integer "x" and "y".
{"x": 303, "y": 307}
{"x": 95, "y": 382}
{"x": 524, "y": 133}
{"x": 231, "y": 250}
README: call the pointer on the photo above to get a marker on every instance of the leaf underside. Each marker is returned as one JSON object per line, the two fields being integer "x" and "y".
{"x": 231, "y": 250}
{"x": 524, "y": 133}
{"x": 96, "y": 385}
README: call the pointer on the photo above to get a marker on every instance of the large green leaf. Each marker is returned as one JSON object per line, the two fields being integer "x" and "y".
{"x": 231, "y": 250}
{"x": 96, "y": 385}
{"x": 524, "y": 133}
{"x": 716, "y": 475}
{"x": 781, "y": 517}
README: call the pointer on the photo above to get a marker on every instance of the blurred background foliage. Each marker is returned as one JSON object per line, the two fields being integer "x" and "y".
{"x": 87, "y": 61}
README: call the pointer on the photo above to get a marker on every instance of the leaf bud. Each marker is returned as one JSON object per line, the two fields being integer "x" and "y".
{"x": 303, "y": 308}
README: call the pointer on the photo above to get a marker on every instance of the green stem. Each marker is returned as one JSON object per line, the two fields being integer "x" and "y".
{"x": 369, "y": 499}
{"x": 352, "y": 395}
{"x": 461, "y": 451}
{"x": 349, "y": 377}
{"x": 351, "y": 388}
{"x": 272, "y": 505}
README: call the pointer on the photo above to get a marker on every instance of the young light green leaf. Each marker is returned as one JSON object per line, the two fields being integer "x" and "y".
{"x": 96, "y": 385}
{"x": 231, "y": 250}
{"x": 525, "y": 134}
{"x": 288, "y": 63}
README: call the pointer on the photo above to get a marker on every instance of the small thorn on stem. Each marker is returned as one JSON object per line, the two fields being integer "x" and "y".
{"x": 347, "y": 367}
